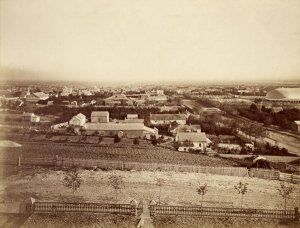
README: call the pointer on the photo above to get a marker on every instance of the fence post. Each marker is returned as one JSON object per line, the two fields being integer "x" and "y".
{"x": 296, "y": 213}
{"x": 134, "y": 205}
{"x": 152, "y": 208}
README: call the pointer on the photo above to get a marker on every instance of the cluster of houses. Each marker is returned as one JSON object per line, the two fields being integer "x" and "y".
{"x": 186, "y": 137}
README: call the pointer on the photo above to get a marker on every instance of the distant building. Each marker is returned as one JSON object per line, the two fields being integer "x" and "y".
{"x": 66, "y": 92}
{"x": 291, "y": 95}
{"x": 78, "y": 120}
{"x": 132, "y": 116}
{"x": 276, "y": 109}
{"x": 210, "y": 110}
{"x": 100, "y": 117}
{"x": 35, "y": 97}
{"x": 296, "y": 125}
{"x": 162, "y": 119}
{"x": 176, "y": 128}
{"x": 31, "y": 117}
{"x": 191, "y": 140}
{"x": 129, "y": 130}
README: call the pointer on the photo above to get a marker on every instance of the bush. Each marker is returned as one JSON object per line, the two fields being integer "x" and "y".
{"x": 136, "y": 141}
{"x": 117, "y": 139}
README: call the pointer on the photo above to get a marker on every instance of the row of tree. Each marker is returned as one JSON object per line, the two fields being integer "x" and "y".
{"x": 73, "y": 181}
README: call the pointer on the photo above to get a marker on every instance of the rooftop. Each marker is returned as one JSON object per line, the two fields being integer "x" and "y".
{"x": 284, "y": 94}
{"x": 167, "y": 117}
{"x": 191, "y": 136}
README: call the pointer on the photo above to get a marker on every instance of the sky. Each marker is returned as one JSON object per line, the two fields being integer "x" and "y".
{"x": 120, "y": 40}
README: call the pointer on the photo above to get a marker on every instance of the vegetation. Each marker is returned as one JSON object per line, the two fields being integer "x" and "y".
{"x": 285, "y": 192}
{"x": 282, "y": 119}
{"x": 72, "y": 179}
{"x": 202, "y": 190}
{"x": 160, "y": 182}
{"x": 117, "y": 183}
{"x": 242, "y": 189}
{"x": 136, "y": 141}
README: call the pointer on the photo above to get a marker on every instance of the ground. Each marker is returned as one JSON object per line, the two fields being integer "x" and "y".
{"x": 180, "y": 188}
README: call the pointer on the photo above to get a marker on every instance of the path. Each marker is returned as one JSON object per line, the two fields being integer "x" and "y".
{"x": 145, "y": 221}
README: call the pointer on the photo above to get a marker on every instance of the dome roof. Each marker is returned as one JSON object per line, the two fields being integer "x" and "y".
{"x": 284, "y": 94}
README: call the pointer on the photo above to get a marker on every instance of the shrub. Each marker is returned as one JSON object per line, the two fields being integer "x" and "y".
{"x": 117, "y": 139}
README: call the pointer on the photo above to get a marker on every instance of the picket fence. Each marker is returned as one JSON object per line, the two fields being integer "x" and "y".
{"x": 162, "y": 210}
{"x": 53, "y": 207}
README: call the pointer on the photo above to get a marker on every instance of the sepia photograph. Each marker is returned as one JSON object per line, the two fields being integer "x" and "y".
{"x": 149, "y": 113}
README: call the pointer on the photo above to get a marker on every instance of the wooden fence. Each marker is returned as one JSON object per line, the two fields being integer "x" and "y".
{"x": 119, "y": 165}
{"x": 52, "y": 207}
{"x": 293, "y": 178}
{"x": 160, "y": 210}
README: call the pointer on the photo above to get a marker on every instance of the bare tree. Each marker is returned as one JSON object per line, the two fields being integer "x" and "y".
{"x": 285, "y": 192}
{"x": 241, "y": 189}
{"x": 72, "y": 179}
{"x": 202, "y": 190}
{"x": 160, "y": 182}
{"x": 117, "y": 183}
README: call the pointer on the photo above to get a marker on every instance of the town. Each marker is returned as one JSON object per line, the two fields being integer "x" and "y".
{"x": 241, "y": 130}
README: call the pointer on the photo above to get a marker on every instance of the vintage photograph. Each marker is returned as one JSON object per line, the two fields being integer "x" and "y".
{"x": 149, "y": 113}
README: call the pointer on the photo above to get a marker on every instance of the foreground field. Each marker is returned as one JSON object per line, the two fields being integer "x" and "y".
{"x": 179, "y": 189}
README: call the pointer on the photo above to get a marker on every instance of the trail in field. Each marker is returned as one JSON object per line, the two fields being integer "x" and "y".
{"x": 146, "y": 221}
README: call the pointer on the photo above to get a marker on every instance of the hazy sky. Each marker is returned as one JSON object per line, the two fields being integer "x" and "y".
{"x": 151, "y": 39}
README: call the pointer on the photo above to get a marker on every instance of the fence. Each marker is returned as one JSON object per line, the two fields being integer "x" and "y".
{"x": 47, "y": 207}
{"x": 160, "y": 210}
{"x": 119, "y": 165}
{"x": 293, "y": 178}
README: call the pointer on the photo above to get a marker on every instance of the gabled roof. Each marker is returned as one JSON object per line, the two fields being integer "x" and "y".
{"x": 41, "y": 95}
{"x": 114, "y": 126}
{"x": 79, "y": 116}
{"x": 167, "y": 117}
{"x": 191, "y": 136}
{"x": 297, "y": 122}
{"x": 99, "y": 113}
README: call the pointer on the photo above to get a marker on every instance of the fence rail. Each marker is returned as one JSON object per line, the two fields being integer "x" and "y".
{"x": 293, "y": 178}
{"x": 119, "y": 165}
{"x": 46, "y": 207}
{"x": 160, "y": 210}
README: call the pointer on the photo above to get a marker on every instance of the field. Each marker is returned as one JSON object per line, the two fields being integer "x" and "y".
{"x": 180, "y": 188}
{"x": 117, "y": 152}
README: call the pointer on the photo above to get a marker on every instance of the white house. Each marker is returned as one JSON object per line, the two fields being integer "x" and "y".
{"x": 31, "y": 117}
{"x": 100, "y": 117}
{"x": 191, "y": 140}
{"x": 161, "y": 119}
{"x": 78, "y": 120}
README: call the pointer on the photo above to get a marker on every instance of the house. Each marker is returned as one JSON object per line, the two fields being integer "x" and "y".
{"x": 60, "y": 126}
{"x": 118, "y": 99}
{"x": 191, "y": 140}
{"x": 66, "y": 92}
{"x": 132, "y": 116}
{"x": 31, "y": 117}
{"x": 176, "y": 128}
{"x": 276, "y": 109}
{"x": 296, "y": 125}
{"x": 100, "y": 117}
{"x": 129, "y": 130}
{"x": 35, "y": 97}
{"x": 163, "y": 119}
{"x": 78, "y": 120}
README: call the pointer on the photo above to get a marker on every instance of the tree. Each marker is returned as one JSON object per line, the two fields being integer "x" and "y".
{"x": 160, "y": 182}
{"x": 202, "y": 190}
{"x": 117, "y": 139}
{"x": 116, "y": 182}
{"x": 241, "y": 189}
{"x": 285, "y": 192}
{"x": 72, "y": 179}
{"x": 136, "y": 141}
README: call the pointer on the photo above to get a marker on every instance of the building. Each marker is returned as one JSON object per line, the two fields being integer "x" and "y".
{"x": 163, "y": 119}
{"x": 129, "y": 130}
{"x": 78, "y": 120}
{"x": 100, "y": 117}
{"x": 296, "y": 125}
{"x": 191, "y": 140}
{"x": 31, "y": 117}
{"x": 66, "y": 92}
{"x": 291, "y": 95}
{"x": 35, "y": 97}
{"x": 176, "y": 128}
